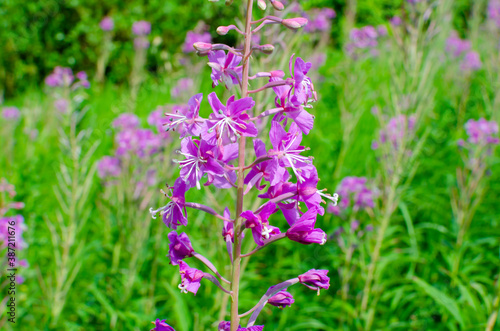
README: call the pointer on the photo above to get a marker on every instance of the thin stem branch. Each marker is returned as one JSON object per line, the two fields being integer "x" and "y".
{"x": 210, "y": 266}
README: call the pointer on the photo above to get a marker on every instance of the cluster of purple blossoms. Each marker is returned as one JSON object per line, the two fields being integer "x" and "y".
{"x": 461, "y": 48}
{"x": 63, "y": 77}
{"x": 494, "y": 12}
{"x": 193, "y": 37}
{"x": 11, "y": 227}
{"x": 10, "y": 113}
{"x": 395, "y": 131}
{"x": 320, "y": 20}
{"x": 353, "y": 192}
{"x": 456, "y": 46}
{"x": 365, "y": 39}
{"x": 130, "y": 141}
{"x": 141, "y": 29}
{"x": 481, "y": 133}
{"x": 183, "y": 86}
{"x": 212, "y": 152}
{"x": 107, "y": 24}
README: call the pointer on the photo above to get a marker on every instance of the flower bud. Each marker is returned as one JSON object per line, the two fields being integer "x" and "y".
{"x": 222, "y": 30}
{"x": 262, "y": 4}
{"x": 266, "y": 49}
{"x": 202, "y": 47}
{"x": 282, "y": 299}
{"x": 315, "y": 279}
{"x": 294, "y": 23}
{"x": 277, "y": 5}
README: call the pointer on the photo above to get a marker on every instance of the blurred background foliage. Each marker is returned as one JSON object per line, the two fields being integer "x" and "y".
{"x": 39, "y": 35}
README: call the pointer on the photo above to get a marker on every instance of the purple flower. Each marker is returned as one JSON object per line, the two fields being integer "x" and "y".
{"x": 200, "y": 160}
{"x": 315, "y": 279}
{"x": 193, "y": 37}
{"x": 109, "y": 166}
{"x": 17, "y": 223}
{"x": 396, "y": 21}
{"x": 60, "y": 77}
{"x": 482, "y": 132}
{"x": 161, "y": 325}
{"x": 226, "y": 326}
{"x": 282, "y": 299}
{"x": 303, "y": 230}
{"x": 141, "y": 42}
{"x": 355, "y": 188}
{"x": 303, "y": 87}
{"x": 186, "y": 119}
{"x": 494, "y": 11}
{"x": 259, "y": 223}
{"x": 225, "y": 68}
{"x": 228, "y": 228}
{"x": 107, "y": 24}
{"x": 126, "y": 121}
{"x": 11, "y": 113}
{"x": 396, "y": 131}
{"x": 190, "y": 278}
{"x": 141, "y": 28}
{"x": 308, "y": 193}
{"x": 179, "y": 248}
{"x": 61, "y": 105}
{"x": 183, "y": 85}
{"x": 227, "y": 123}
{"x": 456, "y": 46}
{"x": 174, "y": 213}
{"x": 260, "y": 170}
{"x": 286, "y": 149}
{"x": 471, "y": 62}
{"x": 142, "y": 142}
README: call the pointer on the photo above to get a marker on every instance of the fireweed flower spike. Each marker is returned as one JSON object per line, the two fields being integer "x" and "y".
{"x": 211, "y": 146}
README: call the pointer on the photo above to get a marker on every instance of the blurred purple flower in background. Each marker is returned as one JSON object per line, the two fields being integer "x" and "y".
{"x": 193, "y": 37}
{"x": 126, "y": 121}
{"x": 494, "y": 11}
{"x": 10, "y": 113}
{"x": 396, "y": 21}
{"x": 183, "y": 85}
{"x": 457, "y": 46}
{"x": 395, "y": 131}
{"x": 109, "y": 166}
{"x": 141, "y": 28}
{"x": 353, "y": 191}
{"x": 482, "y": 132}
{"x": 471, "y": 61}
{"x": 107, "y": 24}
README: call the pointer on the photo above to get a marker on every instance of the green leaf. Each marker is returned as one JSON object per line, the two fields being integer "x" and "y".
{"x": 442, "y": 299}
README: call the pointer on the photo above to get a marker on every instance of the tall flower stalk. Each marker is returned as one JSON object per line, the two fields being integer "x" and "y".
{"x": 215, "y": 149}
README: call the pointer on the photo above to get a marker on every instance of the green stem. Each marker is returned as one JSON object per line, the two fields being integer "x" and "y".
{"x": 235, "y": 279}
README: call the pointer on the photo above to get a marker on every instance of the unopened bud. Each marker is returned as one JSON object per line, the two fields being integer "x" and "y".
{"x": 277, "y": 5}
{"x": 294, "y": 23}
{"x": 266, "y": 49}
{"x": 262, "y": 4}
{"x": 222, "y": 30}
{"x": 277, "y": 73}
{"x": 202, "y": 47}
